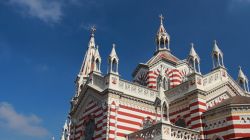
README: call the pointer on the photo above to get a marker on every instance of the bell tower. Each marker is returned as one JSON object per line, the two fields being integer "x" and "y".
{"x": 162, "y": 38}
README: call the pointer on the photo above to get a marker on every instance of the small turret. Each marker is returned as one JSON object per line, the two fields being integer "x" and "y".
{"x": 217, "y": 56}
{"x": 162, "y": 37}
{"x": 97, "y": 60}
{"x": 193, "y": 59}
{"x": 65, "y": 131}
{"x": 113, "y": 61}
{"x": 243, "y": 80}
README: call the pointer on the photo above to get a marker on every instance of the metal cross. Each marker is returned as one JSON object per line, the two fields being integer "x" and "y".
{"x": 93, "y": 29}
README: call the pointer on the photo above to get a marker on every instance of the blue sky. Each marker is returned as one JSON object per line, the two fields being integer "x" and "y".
{"x": 42, "y": 45}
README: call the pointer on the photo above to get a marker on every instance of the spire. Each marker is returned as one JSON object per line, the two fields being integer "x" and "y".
{"x": 113, "y": 61}
{"x": 65, "y": 131}
{"x": 243, "y": 80}
{"x": 162, "y": 37}
{"x": 97, "y": 54}
{"x": 216, "y": 48}
{"x": 217, "y": 56}
{"x": 97, "y": 60}
{"x": 241, "y": 75}
{"x": 88, "y": 62}
{"x": 113, "y": 52}
{"x": 92, "y": 37}
{"x": 194, "y": 59}
{"x": 192, "y": 52}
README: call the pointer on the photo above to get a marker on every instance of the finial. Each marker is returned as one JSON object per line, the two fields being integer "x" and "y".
{"x": 192, "y": 44}
{"x": 161, "y": 18}
{"x": 113, "y": 45}
{"x": 240, "y": 67}
{"x": 215, "y": 42}
{"x": 92, "y": 29}
{"x": 97, "y": 47}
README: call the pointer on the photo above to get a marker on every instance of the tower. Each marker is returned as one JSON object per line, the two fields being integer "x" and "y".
{"x": 217, "y": 56}
{"x": 113, "y": 61}
{"x": 194, "y": 60}
{"x": 162, "y": 37}
{"x": 243, "y": 80}
{"x": 91, "y": 62}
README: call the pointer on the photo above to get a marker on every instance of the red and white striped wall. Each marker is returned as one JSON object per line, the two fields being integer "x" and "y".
{"x": 126, "y": 119}
{"x": 174, "y": 75}
{"x": 192, "y": 114}
{"x": 232, "y": 127}
{"x": 98, "y": 114}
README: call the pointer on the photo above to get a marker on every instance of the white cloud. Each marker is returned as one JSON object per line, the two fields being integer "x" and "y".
{"x": 24, "y": 124}
{"x": 49, "y": 11}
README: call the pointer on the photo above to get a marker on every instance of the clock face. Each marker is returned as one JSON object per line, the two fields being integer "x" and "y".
{"x": 89, "y": 130}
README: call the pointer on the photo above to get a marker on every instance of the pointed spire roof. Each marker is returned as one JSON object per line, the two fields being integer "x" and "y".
{"x": 97, "y": 54}
{"x": 216, "y": 49}
{"x": 113, "y": 52}
{"x": 193, "y": 54}
{"x": 241, "y": 74}
{"x": 162, "y": 30}
{"x": 92, "y": 37}
{"x": 87, "y": 62}
{"x": 192, "y": 51}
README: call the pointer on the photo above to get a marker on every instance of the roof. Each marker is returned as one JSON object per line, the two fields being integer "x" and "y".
{"x": 163, "y": 55}
{"x": 236, "y": 100}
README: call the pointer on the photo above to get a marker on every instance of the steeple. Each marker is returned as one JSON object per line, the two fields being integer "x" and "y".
{"x": 87, "y": 65}
{"x": 217, "y": 56}
{"x": 193, "y": 59}
{"x": 243, "y": 80}
{"x": 113, "y": 61}
{"x": 162, "y": 37}
{"x": 89, "y": 62}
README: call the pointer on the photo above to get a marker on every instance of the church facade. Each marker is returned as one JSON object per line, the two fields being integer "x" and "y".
{"x": 168, "y": 99}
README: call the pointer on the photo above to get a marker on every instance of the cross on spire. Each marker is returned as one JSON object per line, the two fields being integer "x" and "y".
{"x": 92, "y": 29}
{"x": 161, "y": 18}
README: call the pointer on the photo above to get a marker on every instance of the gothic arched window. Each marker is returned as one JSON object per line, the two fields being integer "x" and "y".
{"x": 216, "y": 60}
{"x": 97, "y": 64}
{"x": 242, "y": 84}
{"x": 191, "y": 63}
{"x": 89, "y": 129}
{"x": 165, "y": 83}
{"x": 165, "y": 111}
{"x": 158, "y": 82}
{"x": 114, "y": 65}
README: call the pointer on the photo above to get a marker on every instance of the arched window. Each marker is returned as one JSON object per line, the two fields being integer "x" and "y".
{"x": 220, "y": 60}
{"x": 216, "y": 61}
{"x": 97, "y": 65}
{"x": 165, "y": 111}
{"x": 165, "y": 83}
{"x": 114, "y": 65}
{"x": 181, "y": 123}
{"x": 89, "y": 129}
{"x": 191, "y": 63}
{"x": 196, "y": 65}
{"x": 158, "y": 82}
{"x": 242, "y": 84}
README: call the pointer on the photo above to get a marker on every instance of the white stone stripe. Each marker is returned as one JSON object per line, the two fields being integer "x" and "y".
{"x": 136, "y": 112}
